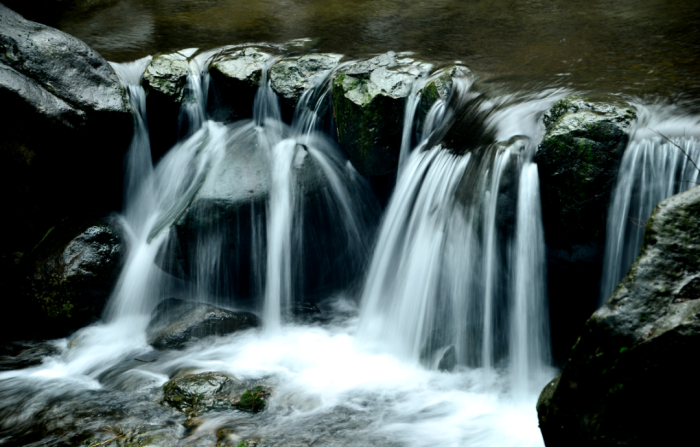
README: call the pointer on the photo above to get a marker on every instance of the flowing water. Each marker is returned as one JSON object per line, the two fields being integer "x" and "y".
{"x": 433, "y": 332}
{"x": 660, "y": 161}
{"x": 449, "y": 340}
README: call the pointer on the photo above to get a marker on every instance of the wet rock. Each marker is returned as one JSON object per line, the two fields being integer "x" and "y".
{"x": 69, "y": 127}
{"x": 291, "y": 77}
{"x": 437, "y": 88}
{"x": 630, "y": 375}
{"x": 166, "y": 75}
{"x": 164, "y": 82}
{"x": 368, "y": 104}
{"x": 175, "y": 322}
{"x": 232, "y": 204}
{"x": 578, "y": 161}
{"x": 235, "y": 76}
{"x": 449, "y": 360}
{"x": 23, "y": 354}
{"x": 213, "y": 391}
{"x": 70, "y": 274}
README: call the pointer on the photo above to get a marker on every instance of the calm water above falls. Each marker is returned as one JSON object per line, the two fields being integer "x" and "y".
{"x": 634, "y": 47}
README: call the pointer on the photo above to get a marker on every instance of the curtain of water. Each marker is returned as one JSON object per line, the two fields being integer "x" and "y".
{"x": 651, "y": 170}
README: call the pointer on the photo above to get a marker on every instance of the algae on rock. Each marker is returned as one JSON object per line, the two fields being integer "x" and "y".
{"x": 368, "y": 105}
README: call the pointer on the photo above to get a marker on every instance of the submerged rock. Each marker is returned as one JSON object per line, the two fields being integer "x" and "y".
{"x": 578, "y": 161}
{"x": 235, "y": 75}
{"x": 368, "y": 104}
{"x": 71, "y": 273}
{"x": 68, "y": 125}
{"x": 631, "y": 374}
{"x": 214, "y": 391}
{"x": 175, "y": 322}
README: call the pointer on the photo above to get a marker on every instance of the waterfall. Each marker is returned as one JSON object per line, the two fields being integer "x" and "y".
{"x": 652, "y": 169}
{"x": 459, "y": 264}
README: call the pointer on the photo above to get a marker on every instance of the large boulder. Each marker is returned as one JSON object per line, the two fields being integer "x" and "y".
{"x": 368, "y": 104}
{"x": 630, "y": 379}
{"x": 175, "y": 322}
{"x": 68, "y": 278}
{"x": 63, "y": 143}
{"x": 235, "y": 76}
{"x": 578, "y": 161}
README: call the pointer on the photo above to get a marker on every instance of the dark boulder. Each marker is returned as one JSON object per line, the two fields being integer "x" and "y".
{"x": 368, "y": 104}
{"x": 63, "y": 142}
{"x": 629, "y": 380}
{"x": 68, "y": 277}
{"x": 578, "y": 161}
{"x": 175, "y": 322}
{"x": 235, "y": 77}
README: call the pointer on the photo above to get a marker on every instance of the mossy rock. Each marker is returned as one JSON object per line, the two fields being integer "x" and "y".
{"x": 253, "y": 400}
{"x": 368, "y": 105}
{"x": 631, "y": 377}
{"x": 194, "y": 394}
{"x": 578, "y": 161}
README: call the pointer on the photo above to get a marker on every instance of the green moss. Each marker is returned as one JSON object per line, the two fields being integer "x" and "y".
{"x": 55, "y": 296}
{"x": 253, "y": 400}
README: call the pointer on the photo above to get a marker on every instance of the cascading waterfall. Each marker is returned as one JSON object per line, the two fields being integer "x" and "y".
{"x": 450, "y": 274}
{"x": 439, "y": 280}
{"x": 652, "y": 169}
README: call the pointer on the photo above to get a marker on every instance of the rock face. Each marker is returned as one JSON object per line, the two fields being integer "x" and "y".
{"x": 291, "y": 77}
{"x": 71, "y": 273}
{"x": 368, "y": 105}
{"x": 164, "y": 82}
{"x": 68, "y": 124}
{"x": 212, "y": 391}
{"x": 175, "y": 322}
{"x": 578, "y": 161}
{"x": 630, "y": 377}
{"x": 235, "y": 75}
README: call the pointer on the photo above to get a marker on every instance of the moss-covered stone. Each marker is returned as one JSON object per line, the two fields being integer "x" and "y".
{"x": 253, "y": 400}
{"x": 167, "y": 74}
{"x": 290, "y": 77}
{"x": 631, "y": 375}
{"x": 213, "y": 391}
{"x": 578, "y": 161}
{"x": 368, "y": 105}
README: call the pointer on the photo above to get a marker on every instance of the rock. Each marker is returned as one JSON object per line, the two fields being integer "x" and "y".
{"x": 291, "y": 77}
{"x": 164, "y": 82}
{"x": 438, "y": 87}
{"x": 235, "y": 76}
{"x": 368, "y": 104}
{"x": 233, "y": 200}
{"x": 578, "y": 161}
{"x": 175, "y": 322}
{"x": 70, "y": 126}
{"x": 448, "y": 360}
{"x": 214, "y": 391}
{"x": 166, "y": 75}
{"x": 23, "y": 354}
{"x": 70, "y": 274}
{"x": 631, "y": 374}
